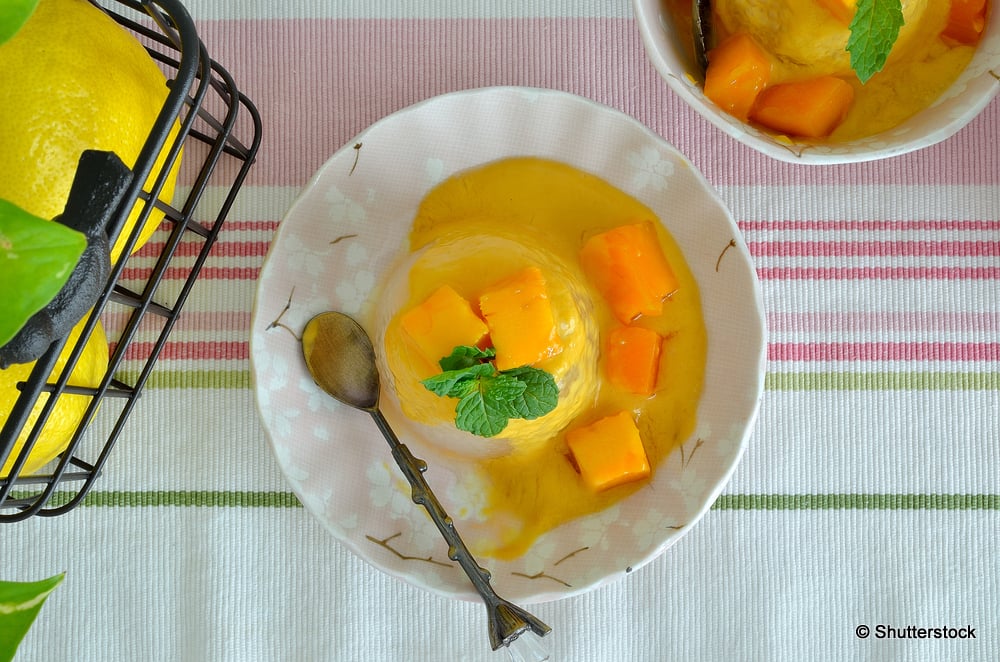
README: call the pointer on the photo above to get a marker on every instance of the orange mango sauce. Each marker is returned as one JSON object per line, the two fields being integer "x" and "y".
{"x": 540, "y": 212}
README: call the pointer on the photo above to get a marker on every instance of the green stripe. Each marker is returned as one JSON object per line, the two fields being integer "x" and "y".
{"x": 183, "y": 498}
{"x": 858, "y": 502}
{"x": 882, "y": 381}
{"x": 773, "y": 381}
{"x": 232, "y": 499}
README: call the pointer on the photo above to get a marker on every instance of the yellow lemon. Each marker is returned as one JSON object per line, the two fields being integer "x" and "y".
{"x": 73, "y": 79}
{"x": 69, "y": 409}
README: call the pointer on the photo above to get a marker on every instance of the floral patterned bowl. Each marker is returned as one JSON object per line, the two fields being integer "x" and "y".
{"x": 973, "y": 90}
{"x": 331, "y": 252}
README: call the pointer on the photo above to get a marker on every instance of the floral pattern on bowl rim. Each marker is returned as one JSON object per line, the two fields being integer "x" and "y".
{"x": 352, "y": 221}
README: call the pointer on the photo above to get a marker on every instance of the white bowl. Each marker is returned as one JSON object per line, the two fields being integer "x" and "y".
{"x": 973, "y": 90}
{"x": 334, "y": 458}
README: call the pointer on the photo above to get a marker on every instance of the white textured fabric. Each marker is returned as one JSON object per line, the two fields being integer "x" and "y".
{"x": 869, "y": 494}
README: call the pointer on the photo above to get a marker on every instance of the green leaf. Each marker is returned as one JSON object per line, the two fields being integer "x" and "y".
{"x": 36, "y": 259}
{"x": 540, "y": 396}
{"x": 501, "y": 391}
{"x": 874, "y": 31}
{"x": 465, "y": 356}
{"x": 486, "y": 410}
{"x": 488, "y": 399}
{"x": 456, "y": 383}
{"x": 20, "y": 603}
{"x": 14, "y": 14}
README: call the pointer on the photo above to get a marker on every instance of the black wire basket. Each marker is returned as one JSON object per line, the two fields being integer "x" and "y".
{"x": 219, "y": 136}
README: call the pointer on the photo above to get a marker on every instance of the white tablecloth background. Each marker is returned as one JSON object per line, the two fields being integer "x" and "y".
{"x": 870, "y": 492}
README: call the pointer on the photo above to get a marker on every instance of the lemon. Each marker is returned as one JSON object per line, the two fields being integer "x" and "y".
{"x": 72, "y": 79}
{"x": 69, "y": 409}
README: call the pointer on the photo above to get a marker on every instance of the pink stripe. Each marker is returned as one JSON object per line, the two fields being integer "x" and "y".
{"x": 957, "y": 249}
{"x": 189, "y": 320}
{"x": 868, "y": 226}
{"x": 318, "y": 83}
{"x": 224, "y": 247}
{"x": 826, "y": 352}
{"x": 200, "y": 351}
{"x": 232, "y": 224}
{"x": 933, "y": 322}
{"x": 838, "y": 322}
{"x": 878, "y": 273}
{"x": 884, "y": 351}
{"x": 764, "y": 273}
{"x": 236, "y": 225}
{"x": 875, "y": 248}
{"x": 792, "y": 225}
{"x": 182, "y": 273}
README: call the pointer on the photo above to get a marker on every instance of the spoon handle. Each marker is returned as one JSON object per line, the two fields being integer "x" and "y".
{"x": 506, "y": 621}
{"x": 701, "y": 26}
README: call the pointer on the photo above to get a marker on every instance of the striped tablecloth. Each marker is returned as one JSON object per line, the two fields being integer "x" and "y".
{"x": 870, "y": 492}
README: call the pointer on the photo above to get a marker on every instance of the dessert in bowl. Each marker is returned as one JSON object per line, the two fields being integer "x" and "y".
{"x": 781, "y": 80}
{"x": 557, "y": 272}
{"x": 434, "y": 230}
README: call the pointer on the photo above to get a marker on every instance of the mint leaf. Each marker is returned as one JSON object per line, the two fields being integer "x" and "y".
{"x": 501, "y": 391}
{"x": 486, "y": 410}
{"x": 457, "y": 383}
{"x": 20, "y": 603}
{"x": 487, "y": 398}
{"x": 464, "y": 356}
{"x": 14, "y": 14}
{"x": 874, "y": 31}
{"x": 36, "y": 259}
{"x": 540, "y": 396}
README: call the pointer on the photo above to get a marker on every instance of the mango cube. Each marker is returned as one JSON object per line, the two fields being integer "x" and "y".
{"x": 739, "y": 69}
{"x": 440, "y": 323}
{"x": 609, "y": 452}
{"x": 520, "y": 320}
{"x": 627, "y": 266}
{"x": 632, "y": 359}
{"x": 966, "y": 22}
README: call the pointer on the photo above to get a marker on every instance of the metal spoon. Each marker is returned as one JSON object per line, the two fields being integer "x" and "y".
{"x": 701, "y": 27}
{"x": 340, "y": 358}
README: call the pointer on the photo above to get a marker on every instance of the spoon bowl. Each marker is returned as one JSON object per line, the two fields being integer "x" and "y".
{"x": 341, "y": 359}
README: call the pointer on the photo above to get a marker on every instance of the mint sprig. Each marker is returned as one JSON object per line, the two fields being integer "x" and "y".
{"x": 874, "y": 31}
{"x": 488, "y": 398}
